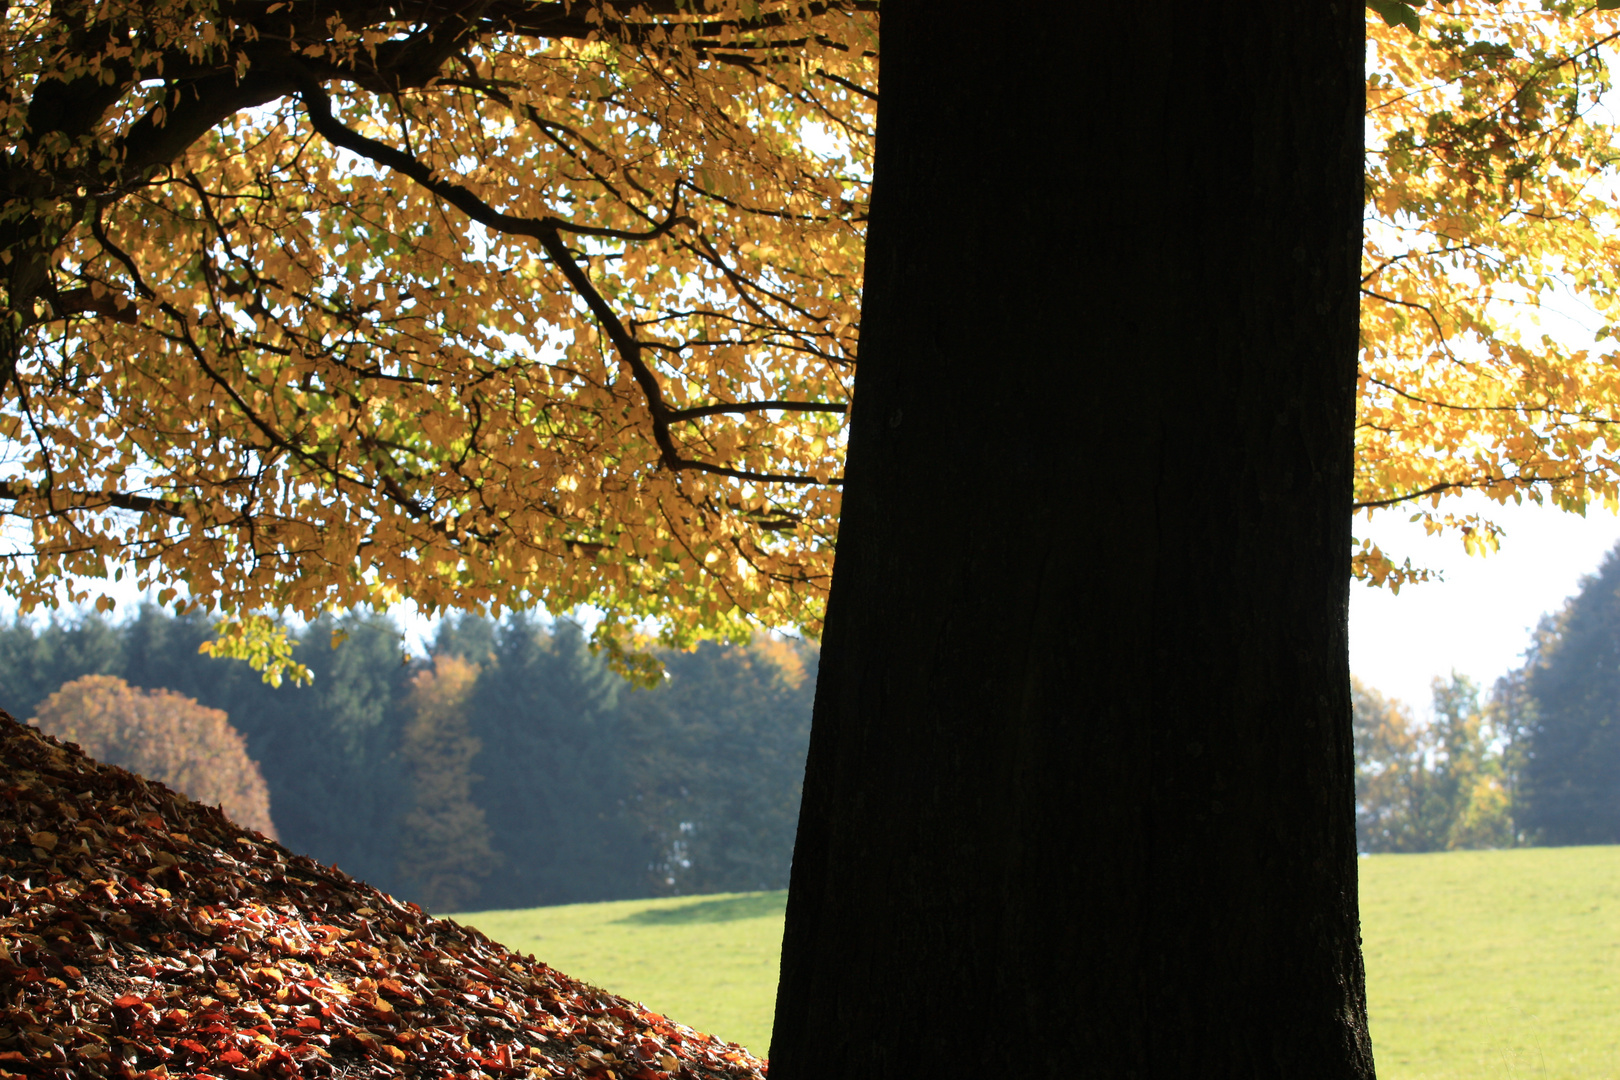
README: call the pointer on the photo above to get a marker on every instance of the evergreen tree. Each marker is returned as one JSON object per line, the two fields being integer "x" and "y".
{"x": 34, "y": 664}
{"x": 720, "y": 764}
{"x": 556, "y": 779}
{"x": 331, "y": 749}
{"x": 577, "y": 787}
{"x": 1571, "y": 783}
{"x": 471, "y": 637}
{"x": 328, "y": 751}
{"x": 161, "y": 649}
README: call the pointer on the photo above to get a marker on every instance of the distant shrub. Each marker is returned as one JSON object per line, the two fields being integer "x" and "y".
{"x": 1430, "y": 787}
{"x": 163, "y": 736}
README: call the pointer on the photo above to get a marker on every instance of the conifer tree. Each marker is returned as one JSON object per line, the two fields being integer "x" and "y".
{"x": 36, "y": 663}
{"x": 719, "y": 753}
{"x": 1571, "y": 770}
{"x": 556, "y": 770}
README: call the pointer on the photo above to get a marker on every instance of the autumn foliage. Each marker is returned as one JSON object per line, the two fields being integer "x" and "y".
{"x": 518, "y": 305}
{"x": 1493, "y": 237}
{"x": 321, "y": 305}
{"x": 165, "y": 736}
{"x": 1436, "y": 786}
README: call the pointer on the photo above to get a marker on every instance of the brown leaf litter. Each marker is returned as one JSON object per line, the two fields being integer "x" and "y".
{"x": 144, "y": 936}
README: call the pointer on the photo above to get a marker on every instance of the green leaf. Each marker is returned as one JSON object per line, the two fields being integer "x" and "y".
{"x": 1399, "y": 13}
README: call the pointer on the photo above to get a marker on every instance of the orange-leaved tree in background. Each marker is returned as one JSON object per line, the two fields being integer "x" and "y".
{"x": 446, "y": 845}
{"x": 520, "y": 303}
{"x": 163, "y": 736}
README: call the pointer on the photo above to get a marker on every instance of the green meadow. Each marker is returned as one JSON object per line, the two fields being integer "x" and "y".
{"x": 706, "y": 961}
{"x": 1484, "y": 964}
{"x": 1480, "y": 964}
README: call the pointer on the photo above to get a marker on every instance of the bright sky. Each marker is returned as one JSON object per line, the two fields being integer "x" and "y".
{"x": 1478, "y": 620}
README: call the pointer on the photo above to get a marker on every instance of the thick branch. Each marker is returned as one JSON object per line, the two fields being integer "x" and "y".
{"x": 547, "y": 231}
{"x": 94, "y": 500}
{"x": 319, "y": 108}
{"x": 83, "y": 301}
{"x": 678, "y": 415}
{"x": 569, "y": 21}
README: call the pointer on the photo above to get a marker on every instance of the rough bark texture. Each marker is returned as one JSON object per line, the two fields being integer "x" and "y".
{"x": 1079, "y": 797}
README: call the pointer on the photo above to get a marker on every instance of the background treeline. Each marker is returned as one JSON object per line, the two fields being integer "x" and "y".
{"x": 510, "y": 769}
{"x": 1536, "y": 761}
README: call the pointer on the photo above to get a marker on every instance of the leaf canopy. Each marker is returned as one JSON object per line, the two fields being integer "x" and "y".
{"x": 508, "y": 304}
{"x": 323, "y": 304}
{"x": 1491, "y": 208}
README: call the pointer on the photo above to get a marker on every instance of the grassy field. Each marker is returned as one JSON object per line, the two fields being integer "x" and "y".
{"x": 706, "y": 961}
{"x": 1486, "y": 964}
{"x": 1480, "y": 965}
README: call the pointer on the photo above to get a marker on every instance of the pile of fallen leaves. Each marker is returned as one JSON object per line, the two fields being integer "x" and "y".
{"x": 143, "y": 935}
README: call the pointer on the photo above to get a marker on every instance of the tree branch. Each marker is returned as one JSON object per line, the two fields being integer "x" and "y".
{"x": 547, "y": 231}
{"x": 678, "y": 415}
{"x": 118, "y": 500}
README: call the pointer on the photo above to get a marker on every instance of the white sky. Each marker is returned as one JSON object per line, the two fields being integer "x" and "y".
{"x": 1478, "y": 620}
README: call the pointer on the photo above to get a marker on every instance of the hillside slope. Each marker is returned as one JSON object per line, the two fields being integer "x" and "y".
{"x": 145, "y": 936}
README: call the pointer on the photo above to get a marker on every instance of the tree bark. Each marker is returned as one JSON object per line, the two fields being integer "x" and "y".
{"x": 1079, "y": 799}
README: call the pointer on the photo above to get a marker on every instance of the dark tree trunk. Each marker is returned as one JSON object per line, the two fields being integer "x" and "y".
{"x": 1079, "y": 797}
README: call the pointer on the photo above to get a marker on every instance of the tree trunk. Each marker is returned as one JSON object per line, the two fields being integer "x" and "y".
{"x": 1079, "y": 796}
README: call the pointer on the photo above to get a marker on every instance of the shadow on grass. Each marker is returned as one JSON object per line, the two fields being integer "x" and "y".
{"x": 725, "y": 909}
